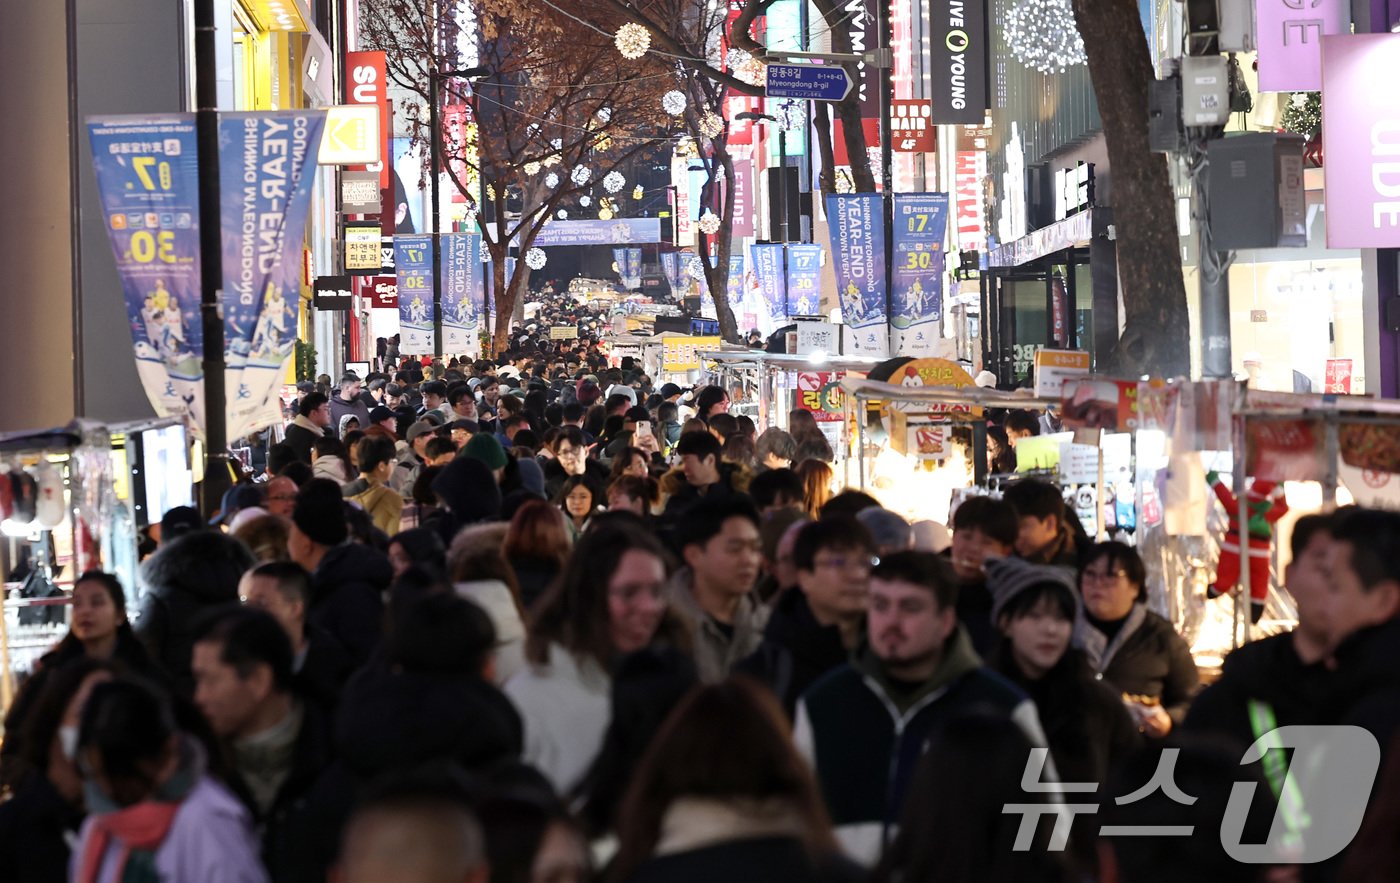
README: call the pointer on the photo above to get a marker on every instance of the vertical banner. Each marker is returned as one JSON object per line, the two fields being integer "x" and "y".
{"x": 804, "y": 270}
{"x": 148, "y": 181}
{"x": 674, "y": 265}
{"x": 971, "y": 168}
{"x": 1359, "y": 128}
{"x": 744, "y": 313}
{"x": 768, "y": 270}
{"x": 461, "y": 278}
{"x": 958, "y": 60}
{"x": 920, "y": 222}
{"x": 267, "y": 162}
{"x": 858, "y": 258}
{"x": 629, "y": 267}
{"x": 366, "y": 82}
{"x": 413, "y": 265}
{"x": 1290, "y": 41}
{"x": 743, "y": 198}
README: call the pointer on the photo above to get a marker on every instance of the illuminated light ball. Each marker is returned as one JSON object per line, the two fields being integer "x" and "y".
{"x": 695, "y": 268}
{"x": 605, "y": 214}
{"x": 551, "y": 180}
{"x": 490, "y": 191}
{"x": 1042, "y": 35}
{"x": 550, "y": 161}
{"x": 673, "y": 102}
{"x": 632, "y": 40}
{"x": 532, "y": 168}
{"x": 709, "y": 223}
{"x": 711, "y": 125}
{"x": 736, "y": 59}
{"x": 613, "y": 182}
{"x": 581, "y": 175}
{"x": 638, "y": 192}
{"x": 585, "y": 201}
{"x": 604, "y": 115}
{"x": 563, "y": 215}
{"x": 535, "y": 259}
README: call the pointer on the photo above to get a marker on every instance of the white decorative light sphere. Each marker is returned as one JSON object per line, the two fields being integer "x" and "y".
{"x": 673, "y": 102}
{"x": 632, "y": 40}
{"x": 737, "y": 58}
{"x": 604, "y": 115}
{"x": 563, "y": 215}
{"x": 695, "y": 268}
{"x": 1042, "y": 35}
{"x": 532, "y": 168}
{"x": 711, "y": 125}
{"x": 708, "y": 223}
{"x": 585, "y": 201}
{"x": 535, "y": 259}
{"x": 551, "y": 180}
{"x": 613, "y": 182}
{"x": 581, "y": 175}
{"x": 638, "y": 192}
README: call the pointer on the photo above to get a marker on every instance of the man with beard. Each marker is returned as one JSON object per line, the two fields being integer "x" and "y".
{"x": 866, "y": 724}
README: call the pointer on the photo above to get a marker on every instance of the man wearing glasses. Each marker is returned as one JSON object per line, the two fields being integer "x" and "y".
{"x": 571, "y": 458}
{"x": 815, "y": 627}
{"x": 312, "y": 421}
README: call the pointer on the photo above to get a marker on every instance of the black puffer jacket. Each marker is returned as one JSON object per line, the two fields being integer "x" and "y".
{"x": 347, "y": 597}
{"x": 1267, "y": 670}
{"x": 182, "y": 582}
{"x": 1146, "y": 658}
{"x": 796, "y": 650}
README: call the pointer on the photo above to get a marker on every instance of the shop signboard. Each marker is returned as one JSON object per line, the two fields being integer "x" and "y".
{"x": 1361, "y": 140}
{"x": 360, "y": 193}
{"x": 969, "y": 171}
{"x": 1054, "y": 367}
{"x": 563, "y": 332}
{"x": 911, "y": 121}
{"x": 1284, "y": 449}
{"x": 413, "y": 267}
{"x": 858, "y": 258}
{"x": 933, "y": 372}
{"x": 366, "y": 82}
{"x": 920, "y": 222}
{"x": 382, "y": 292}
{"x": 958, "y": 61}
{"x": 333, "y": 293}
{"x": 148, "y": 184}
{"x": 820, "y": 393}
{"x": 1099, "y": 404}
{"x": 679, "y": 354}
{"x": 363, "y": 248}
{"x": 266, "y": 169}
{"x": 1290, "y": 35}
{"x": 462, "y": 290}
{"x": 817, "y": 338}
{"x": 804, "y": 268}
{"x": 351, "y": 137}
{"x": 743, "y": 198}
{"x": 1337, "y": 378}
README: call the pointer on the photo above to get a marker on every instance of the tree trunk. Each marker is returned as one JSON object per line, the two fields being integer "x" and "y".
{"x": 1156, "y": 336}
{"x": 821, "y": 123}
{"x": 498, "y": 288}
{"x": 848, "y": 109}
{"x": 717, "y": 277}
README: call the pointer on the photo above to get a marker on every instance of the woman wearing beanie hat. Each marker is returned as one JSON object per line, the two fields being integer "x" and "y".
{"x": 1087, "y": 726}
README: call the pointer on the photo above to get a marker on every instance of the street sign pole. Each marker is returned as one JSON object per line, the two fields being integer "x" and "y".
{"x": 887, "y": 163}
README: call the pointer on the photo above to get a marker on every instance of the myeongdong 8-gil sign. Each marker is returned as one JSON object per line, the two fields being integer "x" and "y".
{"x": 959, "y": 61}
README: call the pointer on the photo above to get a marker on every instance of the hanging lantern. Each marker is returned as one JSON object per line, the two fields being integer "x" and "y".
{"x": 632, "y": 40}
{"x": 535, "y": 259}
{"x": 1042, "y": 35}
{"x": 581, "y": 175}
{"x": 613, "y": 182}
{"x": 709, "y": 223}
{"x": 673, "y": 102}
{"x": 711, "y": 125}
{"x": 551, "y": 180}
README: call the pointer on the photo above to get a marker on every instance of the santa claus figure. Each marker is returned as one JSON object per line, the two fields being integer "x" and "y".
{"x": 1264, "y": 505}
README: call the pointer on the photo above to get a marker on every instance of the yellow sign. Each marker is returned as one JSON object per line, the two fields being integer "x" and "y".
{"x": 278, "y": 15}
{"x": 933, "y": 372}
{"x": 351, "y": 136}
{"x": 563, "y": 332}
{"x": 362, "y": 248}
{"x": 683, "y": 353}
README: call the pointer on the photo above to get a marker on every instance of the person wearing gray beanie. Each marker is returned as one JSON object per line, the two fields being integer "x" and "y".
{"x": 1009, "y": 577}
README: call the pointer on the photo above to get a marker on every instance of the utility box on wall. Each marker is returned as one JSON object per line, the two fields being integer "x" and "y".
{"x": 1255, "y": 186}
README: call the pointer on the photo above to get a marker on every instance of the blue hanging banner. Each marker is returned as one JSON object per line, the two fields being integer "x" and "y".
{"x": 768, "y": 270}
{"x": 413, "y": 265}
{"x": 858, "y": 258}
{"x": 745, "y": 314}
{"x": 148, "y": 183}
{"x": 673, "y": 265}
{"x": 461, "y": 280}
{"x": 920, "y": 222}
{"x": 267, "y": 163}
{"x": 804, "y": 272}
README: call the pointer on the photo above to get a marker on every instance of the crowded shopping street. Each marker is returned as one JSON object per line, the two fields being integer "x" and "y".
{"x": 655, "y": 441}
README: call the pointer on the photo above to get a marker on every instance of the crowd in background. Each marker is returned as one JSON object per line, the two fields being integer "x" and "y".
{"x": 540, "y": 619}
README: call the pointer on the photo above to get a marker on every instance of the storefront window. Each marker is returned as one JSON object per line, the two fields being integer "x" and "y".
{"x": 1031, "y": 322}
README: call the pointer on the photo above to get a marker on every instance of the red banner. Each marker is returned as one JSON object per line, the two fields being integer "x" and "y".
{"x": 1338, "y": 377}
{"x": 366, "y": 83}
{"x": 972, "y": 223}
{"x": 380, "y": 292}
{"x": 911, "y": 125}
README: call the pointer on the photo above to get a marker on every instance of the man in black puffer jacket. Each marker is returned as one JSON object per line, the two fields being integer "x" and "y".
{"x": 347, "y": 579}
{"x": 182, "y": 582}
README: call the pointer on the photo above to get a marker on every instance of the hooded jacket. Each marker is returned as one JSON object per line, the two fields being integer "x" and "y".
{"x": 470, "y": 494}
{"x": 340, "y": 409}
{"x": 864, "y": 736}
{"x": 302, "y": 435}
{"x": 346, "y": 597}
{"x": 796, "y": 650}
{"x": 718, "y": 650}
{"x": 1146, "y": 658}
{"x": 183, "y": 581}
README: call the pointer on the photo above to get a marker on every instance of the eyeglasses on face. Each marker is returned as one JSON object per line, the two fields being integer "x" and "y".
{"x": 847, "y": 562}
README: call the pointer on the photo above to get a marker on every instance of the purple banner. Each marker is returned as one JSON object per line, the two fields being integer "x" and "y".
{"x": 858, "y": 257}
{"x": 1290, "y": 42}
{"x": 267, "y": 162}
{"x": 1361, "y": 140}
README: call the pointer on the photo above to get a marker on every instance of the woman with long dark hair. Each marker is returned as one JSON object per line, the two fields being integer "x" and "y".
{"x": 812, "y": 444}
{"x": 722, "y": 795}
{"x": 610, "y": 601}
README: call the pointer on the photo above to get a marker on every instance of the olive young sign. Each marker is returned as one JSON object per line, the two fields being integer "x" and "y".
{"x": 959, "y": 60}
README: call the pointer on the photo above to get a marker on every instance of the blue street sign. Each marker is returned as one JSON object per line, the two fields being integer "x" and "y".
{"x": 808, "y": 82}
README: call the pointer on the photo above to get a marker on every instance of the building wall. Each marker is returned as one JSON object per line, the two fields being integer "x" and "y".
{"x": 36, "y": 331}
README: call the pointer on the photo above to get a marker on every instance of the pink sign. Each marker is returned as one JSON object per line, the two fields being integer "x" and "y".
{"x": 1338, "y": 376}
{"x": 1290, "y": 41}
{"x": 1361, "y": 140}
{"x": 743, "y": 197}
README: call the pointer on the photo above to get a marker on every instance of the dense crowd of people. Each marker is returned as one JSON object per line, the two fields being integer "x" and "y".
{"x": 541, "y": 620}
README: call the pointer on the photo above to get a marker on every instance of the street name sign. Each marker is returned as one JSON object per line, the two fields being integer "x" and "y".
{"x": 808, "y": 82}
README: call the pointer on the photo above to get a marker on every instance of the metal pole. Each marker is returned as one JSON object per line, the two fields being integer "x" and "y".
{"x": 217, "y": 476}
{"x": 887, "y": 159}
{"x": 1214, "y": 290}
{"x": 783, "y": 195}
{"x": 435, "y": 162}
